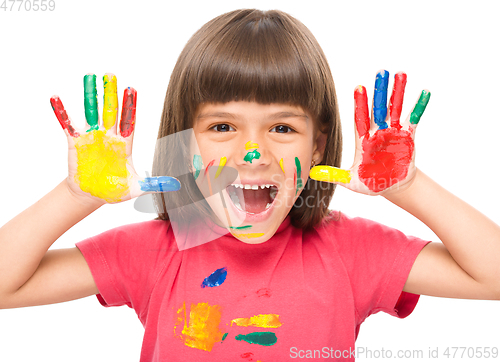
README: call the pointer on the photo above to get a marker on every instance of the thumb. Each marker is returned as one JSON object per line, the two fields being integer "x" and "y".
{"x": 330, "y": 174}
{"x": 159, "y": 184}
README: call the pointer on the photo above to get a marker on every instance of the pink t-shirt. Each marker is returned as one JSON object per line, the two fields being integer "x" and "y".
{"x": 231, "y": 301}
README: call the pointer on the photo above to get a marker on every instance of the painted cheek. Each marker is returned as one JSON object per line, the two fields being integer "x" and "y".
{"x": 298, "y": 175}
{"x": 198, "y": 165}
{"x": 386, "y": 158}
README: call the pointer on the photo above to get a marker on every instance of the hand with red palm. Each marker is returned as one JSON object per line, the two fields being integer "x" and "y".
{"x": 385, "y": 154}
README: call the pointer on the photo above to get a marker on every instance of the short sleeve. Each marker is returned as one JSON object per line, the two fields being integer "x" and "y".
{"x": 126, "y": 261}
{"x": 378, "y": 260}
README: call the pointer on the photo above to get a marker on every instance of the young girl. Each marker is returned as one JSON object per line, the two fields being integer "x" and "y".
{"x": 283, "y": 277}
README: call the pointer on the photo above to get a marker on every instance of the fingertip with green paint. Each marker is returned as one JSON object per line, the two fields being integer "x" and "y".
{"x": 419, "y": 109}
{"x": 90, "y": 101}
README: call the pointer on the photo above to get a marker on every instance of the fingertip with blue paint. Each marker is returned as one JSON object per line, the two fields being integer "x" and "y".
{"x": 160, "y": 184}
{"x": 380, "y": 99}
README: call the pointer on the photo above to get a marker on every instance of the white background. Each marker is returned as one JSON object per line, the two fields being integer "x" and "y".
{"x": 448, "y": 47}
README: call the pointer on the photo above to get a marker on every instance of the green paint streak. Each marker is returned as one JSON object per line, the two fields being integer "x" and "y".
{"x": 198, "y": 165}
{"x": 251, "y": 156}
{"x": 262, "y": 338}
{"x": 420, "y": 107}
{"x": 224, "y": 336}
{"x": 90, "y": 101}
{"x": 240, "y": 227}
{"x": 299, "y": 178}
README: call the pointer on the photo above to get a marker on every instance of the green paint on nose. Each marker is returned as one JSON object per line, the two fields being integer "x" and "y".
{"x": 262, "y": 338}
{"x": 250, "y": 156}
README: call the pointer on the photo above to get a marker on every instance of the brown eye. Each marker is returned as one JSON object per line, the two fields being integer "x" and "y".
{"x": 282, "y": 129}
{"x": 223, "y": 127}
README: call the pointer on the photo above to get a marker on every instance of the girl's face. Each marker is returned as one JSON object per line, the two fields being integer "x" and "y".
{"x": 270, "y": 146}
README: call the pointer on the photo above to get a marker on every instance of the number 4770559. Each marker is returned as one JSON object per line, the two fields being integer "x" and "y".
{"x": 28, "y": 5}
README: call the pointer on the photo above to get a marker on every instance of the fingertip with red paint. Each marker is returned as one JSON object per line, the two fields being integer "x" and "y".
{"x": 361, "y": 115}
{"x": 127, "y": 123}
{"x": 62, "y": 116}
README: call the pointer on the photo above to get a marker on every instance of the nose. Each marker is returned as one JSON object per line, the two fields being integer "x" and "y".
{"x": 254, "y": 153}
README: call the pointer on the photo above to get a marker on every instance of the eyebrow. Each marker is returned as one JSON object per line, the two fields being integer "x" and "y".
{"x": 277, "y": 115}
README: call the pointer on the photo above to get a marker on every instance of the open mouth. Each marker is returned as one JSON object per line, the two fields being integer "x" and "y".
{"x": 252, "y": 199}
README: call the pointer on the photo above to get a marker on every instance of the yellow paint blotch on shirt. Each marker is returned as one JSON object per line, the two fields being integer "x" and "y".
{"x": 202, "y": 331}
{"x": 261, "y": 320}
{"x": 102, "y": 166}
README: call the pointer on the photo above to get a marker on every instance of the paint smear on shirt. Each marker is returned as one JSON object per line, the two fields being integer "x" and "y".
{"x": 102, "y": 166}
{"x": 202, "y": 331}
{"x": 263, "y": 292}
{"x": 262, "y": 338}
{"x": 261, "y": 320}
{"x": 215, "y": 279}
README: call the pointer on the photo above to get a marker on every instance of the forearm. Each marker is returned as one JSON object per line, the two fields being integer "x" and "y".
{"x": 25, "y": 239}
{"x": 472, "y": 239}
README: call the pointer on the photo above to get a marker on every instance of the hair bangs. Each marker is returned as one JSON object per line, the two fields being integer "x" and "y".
{"x": 260, "y": 60}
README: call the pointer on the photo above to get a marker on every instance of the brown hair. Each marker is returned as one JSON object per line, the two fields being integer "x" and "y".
{"x": 252, "y": 55}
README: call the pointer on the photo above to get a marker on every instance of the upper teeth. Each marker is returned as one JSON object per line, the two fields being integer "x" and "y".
{"x": 251, "y": 187}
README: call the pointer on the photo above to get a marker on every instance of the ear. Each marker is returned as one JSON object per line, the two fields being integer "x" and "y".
{"x": 319, "y": 147}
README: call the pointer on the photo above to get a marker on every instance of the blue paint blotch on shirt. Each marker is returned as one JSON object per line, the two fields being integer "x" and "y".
{"x": 215, "y": 279}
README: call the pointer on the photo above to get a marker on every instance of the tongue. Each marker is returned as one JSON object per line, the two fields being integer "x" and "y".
{"x": 255, "y": 201}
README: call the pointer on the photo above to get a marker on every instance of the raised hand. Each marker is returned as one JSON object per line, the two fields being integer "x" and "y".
{"x": 99, "y": 158}
{"x": 385, "y": 155}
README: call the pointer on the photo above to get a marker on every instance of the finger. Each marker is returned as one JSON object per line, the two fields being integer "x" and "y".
{"x": 160, "y": 184}
{"x": 90, "y": 101}
{"x": 380, "y": 99}
{"x": 110, "y": 104}
{"x": 361, "y": 117}
{"x": 127, "y": 123}
{"x": 330, "y": 174}
{"x": 420, "y": 106}
{"x": 62, "y": 116}
{"x": 396, "y": 103}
